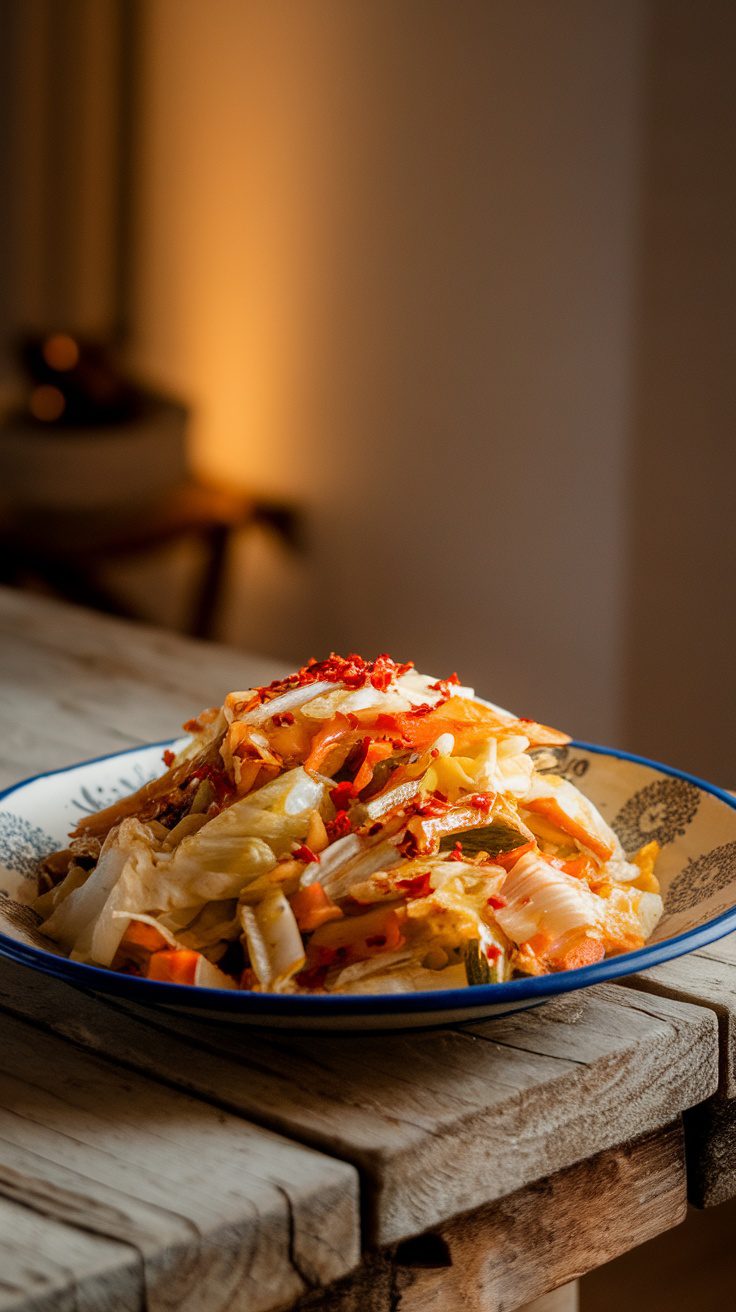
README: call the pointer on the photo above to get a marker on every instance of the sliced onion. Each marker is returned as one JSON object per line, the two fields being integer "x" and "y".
{"x": 287, "y": 701}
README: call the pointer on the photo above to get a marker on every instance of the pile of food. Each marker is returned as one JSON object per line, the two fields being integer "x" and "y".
{"x": 355, "y": 827}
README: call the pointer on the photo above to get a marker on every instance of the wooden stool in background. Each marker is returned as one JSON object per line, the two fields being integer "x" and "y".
{"x": 64, "y": 551}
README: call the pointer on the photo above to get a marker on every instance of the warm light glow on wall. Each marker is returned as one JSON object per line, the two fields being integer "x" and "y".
{"x": 225, "y": 247}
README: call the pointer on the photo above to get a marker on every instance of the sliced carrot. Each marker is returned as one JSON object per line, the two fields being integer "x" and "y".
{"x": 582, "y": 867}
{"x": 333, "y": 734}
{"x": 175, "y": 966}
{"x": 582, "y": 952}
{"x": 551, "y": 809}
{"x": 144, "y": 937}
{"x": 509, "y": 859}
{"x": 379, "y": 750}
{"x": 312, "y": 908}
{"x": 356, "y": 937}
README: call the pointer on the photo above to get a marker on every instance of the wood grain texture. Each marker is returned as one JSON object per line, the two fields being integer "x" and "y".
{"x": 216, "y": 1214}
{"x": 49, "y": 1266}
{"x": 513, "y": 1252}
{"x": 437, "y": 1123}
{"x": 74, "y": 685}
{"x": 711, "y": 1152}
{"x": 707, "y": 978}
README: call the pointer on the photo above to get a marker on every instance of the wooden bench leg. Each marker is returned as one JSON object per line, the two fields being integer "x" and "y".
{"x": 493, "y": 1259}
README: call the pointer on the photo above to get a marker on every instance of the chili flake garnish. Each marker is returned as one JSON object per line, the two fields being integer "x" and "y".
{"x": 492, "y": 952}
{"x": 341, "y": 795}
{"x": 482, "y": 801}
{"x": 418, "y": 886}
{"x": 496, "y": 902}
{"x": 352, "y": 671}
{"x": 442, "y": 684}
{"x": 457, "y": 852}
{"x": 169, "y": 757}
{"x": 304, "y": 853}
{"x": 339, "y": 827}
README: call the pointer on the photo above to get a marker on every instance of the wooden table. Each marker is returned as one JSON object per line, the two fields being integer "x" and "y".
{"x": 153, "y": 1161}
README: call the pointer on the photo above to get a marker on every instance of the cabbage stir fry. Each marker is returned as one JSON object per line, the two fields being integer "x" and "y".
{"x": 355, "y": 827}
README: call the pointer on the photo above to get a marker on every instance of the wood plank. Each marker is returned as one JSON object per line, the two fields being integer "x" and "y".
{"x": 219, "y": 1214}
{"x": 48, "y": 1266}
{"x": 436, "y": 1122}
{"x": 711, "y": 1151}
{"x": 517, "y": 1251}
{"x": 75, "y": 685}
{"x": 706, "y": 978}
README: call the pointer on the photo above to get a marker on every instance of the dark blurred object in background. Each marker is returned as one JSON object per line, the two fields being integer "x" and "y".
{"x": 84, "y": 437}
{"x": 75, "y": 382}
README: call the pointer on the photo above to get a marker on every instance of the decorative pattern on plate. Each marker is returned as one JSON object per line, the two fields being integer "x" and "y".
{"x": 23, "y": 922}
{"x": 660, "y": 813}
{"x": 22, "y": 844}
{"x": 695, "y": 824}
{"x": 94, "y": 799}
{"x": 701, "y": 878}
{"x": 561, "y": 760}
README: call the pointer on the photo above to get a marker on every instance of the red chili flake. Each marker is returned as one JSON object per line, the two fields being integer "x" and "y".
{"x": 441, "y": 797}
{"x": 169, "y": 757}
{"x": 283, "y": 718}
{"x": 376, "y": 941}
{"x": 492, "y": 952}
{"x": 417, "y": 712}
{"x": 339, "y": 827}
{"x": 441, "y": 684}
{"x": 457, "y": 852}
{"x": 351, "y": 670}
{"x": 496, "y": 902}
{"x": 408, "y": 845}
{"x": 352, "y": 720}
{"x": 341, "y": 795}
{"x": 304, "y": 853}
{"x": 435, "y": 805}
{"x": 374, "y": 829}
{"x": 385, "y": 721}
{"x": 481, "y": 801}
{"x": 418, "y": 886}
{"x": 434, "y": 753}
{"x": 222, "y": 785}
{"x": 524, "y": 901}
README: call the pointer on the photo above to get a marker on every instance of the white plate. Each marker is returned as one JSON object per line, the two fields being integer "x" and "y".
{"x": 694, "y": 822}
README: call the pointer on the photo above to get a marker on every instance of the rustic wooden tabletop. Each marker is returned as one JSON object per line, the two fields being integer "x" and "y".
{"x": 151, "y": 1161}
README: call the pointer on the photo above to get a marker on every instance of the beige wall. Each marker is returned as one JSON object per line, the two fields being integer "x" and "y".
{"x": 461, "y": 278}
{"x": 681, "y": 618}
{"x": 388, "y": 248}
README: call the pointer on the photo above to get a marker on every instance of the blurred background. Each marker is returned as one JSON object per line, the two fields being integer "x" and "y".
{"x": 399, "y": 325}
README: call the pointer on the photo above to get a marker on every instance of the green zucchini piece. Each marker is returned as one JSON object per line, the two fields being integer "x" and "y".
{"x": 478, "y": 969}
{"x": 498, "y": 836}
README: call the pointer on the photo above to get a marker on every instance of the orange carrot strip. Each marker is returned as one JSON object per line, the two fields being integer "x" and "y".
{"x": 312, "y": 907}
{"x": 377, "y": 751}
{"x": 551, "y": 809}
{"x": 175, "y": 966}
{"x": 584, "y": 952}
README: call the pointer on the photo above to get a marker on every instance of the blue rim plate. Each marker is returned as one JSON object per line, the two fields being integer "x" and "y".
{"x": 694, "y": 821}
